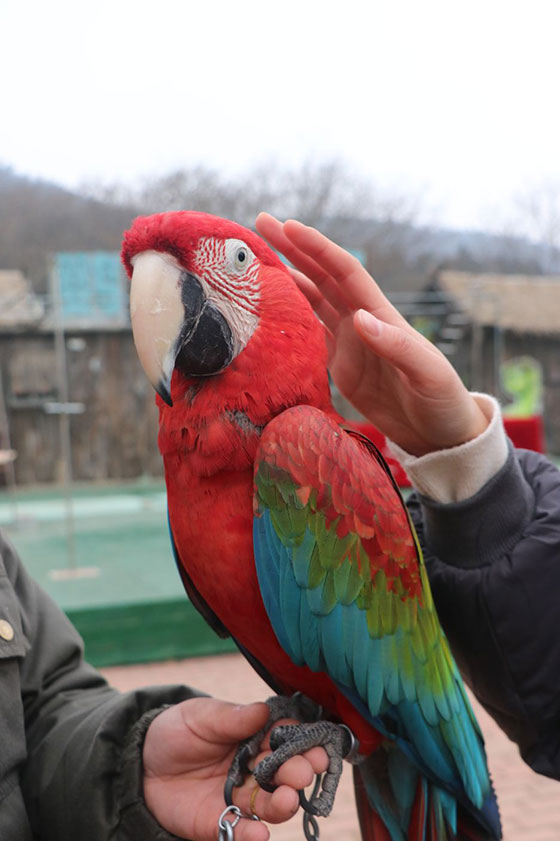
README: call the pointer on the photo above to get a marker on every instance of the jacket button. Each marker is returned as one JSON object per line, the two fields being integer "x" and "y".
{"x": 6, "y": 630}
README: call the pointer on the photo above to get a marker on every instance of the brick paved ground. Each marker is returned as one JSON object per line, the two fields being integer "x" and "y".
{"x": 530, "y": 804}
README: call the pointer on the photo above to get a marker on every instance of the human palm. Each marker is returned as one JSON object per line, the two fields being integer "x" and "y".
{"x": 393, "y": 375}
{"x": 187, "y": 753}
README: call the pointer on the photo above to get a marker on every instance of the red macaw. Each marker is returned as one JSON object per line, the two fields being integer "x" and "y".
{"x": 289, "y": 530}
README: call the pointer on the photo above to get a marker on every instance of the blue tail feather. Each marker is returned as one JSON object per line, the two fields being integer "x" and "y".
{"x": 414, "y": 808}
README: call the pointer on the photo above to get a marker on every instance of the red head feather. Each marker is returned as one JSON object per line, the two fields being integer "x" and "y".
{"x": 178, "y": 233}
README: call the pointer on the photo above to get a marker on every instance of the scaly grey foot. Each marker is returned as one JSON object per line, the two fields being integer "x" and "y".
{"x": 293, "y": 739}
{"x": 280, "y": 706}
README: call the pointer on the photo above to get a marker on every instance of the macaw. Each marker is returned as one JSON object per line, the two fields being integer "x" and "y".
{"x": 290, "y": 534}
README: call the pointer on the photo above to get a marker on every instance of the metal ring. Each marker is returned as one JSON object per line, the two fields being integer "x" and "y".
{"x": 252, "y": 801}
{"x": 227, "y": 833}
{"x": 353, "y": 756}
{"x": 222, "y": 823}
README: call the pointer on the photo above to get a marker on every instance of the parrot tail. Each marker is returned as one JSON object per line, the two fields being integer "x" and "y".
{"x": 395, "y": 802}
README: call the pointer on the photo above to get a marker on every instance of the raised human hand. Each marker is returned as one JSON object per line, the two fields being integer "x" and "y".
{"x": 187, "y": 753}
{"x": 391, "y": 373}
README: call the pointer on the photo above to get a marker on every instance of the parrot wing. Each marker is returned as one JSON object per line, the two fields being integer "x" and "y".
{"x": 345, "y": 588}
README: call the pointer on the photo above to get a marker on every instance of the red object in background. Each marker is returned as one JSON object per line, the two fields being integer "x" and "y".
{"x": 526, "y": 433}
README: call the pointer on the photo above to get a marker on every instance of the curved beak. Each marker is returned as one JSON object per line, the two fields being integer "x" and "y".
{"x": 175, "y": 324}
{"x": 157, "y": 316}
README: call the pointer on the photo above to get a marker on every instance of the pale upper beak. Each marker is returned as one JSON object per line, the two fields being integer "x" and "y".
{"x": 174, "y": 323}
{"x": 157, "y": 316}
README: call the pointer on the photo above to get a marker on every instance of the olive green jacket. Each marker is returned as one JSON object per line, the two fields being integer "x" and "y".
{"x": 70, "y": 746}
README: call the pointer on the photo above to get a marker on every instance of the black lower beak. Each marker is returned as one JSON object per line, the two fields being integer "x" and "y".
{"x": 205, "y": 345}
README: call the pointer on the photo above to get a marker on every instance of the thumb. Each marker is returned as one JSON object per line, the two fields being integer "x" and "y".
{"x": 196, "y": 731}
{"x": 220, "y": 721}
{"x": 401, "y": 347}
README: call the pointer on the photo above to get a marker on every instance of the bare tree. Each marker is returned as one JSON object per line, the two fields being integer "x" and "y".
{"x": 37, "y": 218}
{"x": 345, "y": 204}
{"x": 313, "y": 191}
{"x": 532, "y": 224}
{"x": 538, "y": 212}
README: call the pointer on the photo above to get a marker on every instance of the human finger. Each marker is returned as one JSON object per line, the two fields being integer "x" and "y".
{"x": 273, "y": 231}
{"x": 213, "y": 724}
{"x": 299, "y": 771}
{"x": 351, "y": 278}
{"x": 272, "y": 807}
{"x": 296, "y": 773}
{"x": 326, "y": 312}
{"x": 246, "y": 829}
{"x": 225, "y": 722}
{"x": 407, "y": 351}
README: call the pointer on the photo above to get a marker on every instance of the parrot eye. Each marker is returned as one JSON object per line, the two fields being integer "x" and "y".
{"x": 238, "y": 256}
{"x": 241, "y": 258}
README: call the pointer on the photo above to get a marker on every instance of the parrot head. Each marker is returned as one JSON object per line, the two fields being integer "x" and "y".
{"x": 210, "y": 301}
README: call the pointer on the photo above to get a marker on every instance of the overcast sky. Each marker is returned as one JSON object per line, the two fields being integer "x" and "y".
{"x": 457, "y": 101}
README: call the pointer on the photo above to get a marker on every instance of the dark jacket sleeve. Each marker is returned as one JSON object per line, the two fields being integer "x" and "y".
{"x": 494, "y": 566}
{"x": 82, "y": 778}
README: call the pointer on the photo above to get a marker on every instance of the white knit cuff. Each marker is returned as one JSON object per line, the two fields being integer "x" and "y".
{"x": 458, "y": 473}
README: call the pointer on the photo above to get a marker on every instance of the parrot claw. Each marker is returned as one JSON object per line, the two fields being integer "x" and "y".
{"x": 239, "y": 768}
{"x": 294, "y": 739}
{"x": 297, "y": 706}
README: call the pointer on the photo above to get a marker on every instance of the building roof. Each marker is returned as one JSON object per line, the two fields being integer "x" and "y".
{"x": 19, "y": 306}
{"x": 521, "y": 303}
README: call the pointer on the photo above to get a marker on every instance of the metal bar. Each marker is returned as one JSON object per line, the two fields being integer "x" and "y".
{"x": 9, "y": 467}
{"x": 64, "y": 418}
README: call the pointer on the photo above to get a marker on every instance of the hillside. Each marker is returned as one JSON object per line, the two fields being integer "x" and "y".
{"x": 38, "y": 218}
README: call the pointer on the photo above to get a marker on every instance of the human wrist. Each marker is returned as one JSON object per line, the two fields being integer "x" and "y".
{"x": 483, "y": 528}
{"x": 458, "y": 472}
{"x": 136, "y": 817}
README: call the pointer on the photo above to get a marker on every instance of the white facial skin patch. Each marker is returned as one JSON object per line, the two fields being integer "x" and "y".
{"x": 228, "y": 272}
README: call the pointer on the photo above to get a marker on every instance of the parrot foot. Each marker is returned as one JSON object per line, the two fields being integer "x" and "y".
{"x": 293, "y": 739}
{"x": 280, "y": 706}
